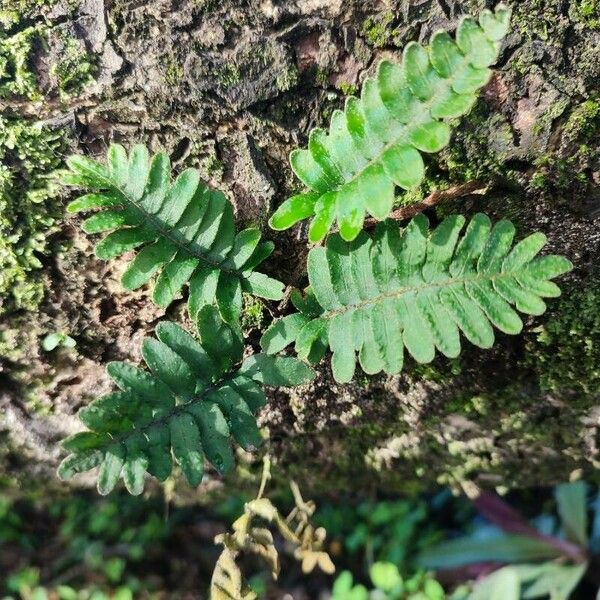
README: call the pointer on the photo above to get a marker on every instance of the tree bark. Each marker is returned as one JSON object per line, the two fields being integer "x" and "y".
{"x": 231, "y": 87}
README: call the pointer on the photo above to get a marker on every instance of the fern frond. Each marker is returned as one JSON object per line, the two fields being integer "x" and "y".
{"x": 375, "y": 144}
{"x": 186, "y": 231}
{"x": 416, "y": 290}
{"x": 192, "y": 400}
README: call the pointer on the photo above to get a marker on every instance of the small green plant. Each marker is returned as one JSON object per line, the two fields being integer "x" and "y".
{"x": 195, "y": 396}
{"x": 386, "y": 530}
{"x": 186, "y": 229}
{"x": 252, "y": 313}
{"x": 542, "y": 562}
{"x": 389, "y": 585}
{"x": 417, "y": 290}
{"x": 97, "y": 545}
{"x": 377, "y": 30}
{"x": 25, "y": 583}
{"x": 56, "y": 339}
{"x": 375, "y": 144}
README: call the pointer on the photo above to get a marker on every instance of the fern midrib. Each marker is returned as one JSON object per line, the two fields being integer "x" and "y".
{"x": 406, "y": 128}
{"x": 179, "y": 408}
{"x": 157, "y": 225}
{"x": 417, "y": 288}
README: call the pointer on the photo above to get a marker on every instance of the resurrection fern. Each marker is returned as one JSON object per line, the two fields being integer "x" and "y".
{"x": 186, "y": 231}
{"x": 375, "y": 144}
{"x": 417, "y": 290}
{"x": 195, "y": 396}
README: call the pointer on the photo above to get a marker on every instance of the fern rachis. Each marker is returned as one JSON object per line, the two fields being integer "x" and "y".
{"x": 195, "y": 396}
{"x": 374, "y": 145}
{"x": 187, "y": 231}
{"x": 378, "y": 295}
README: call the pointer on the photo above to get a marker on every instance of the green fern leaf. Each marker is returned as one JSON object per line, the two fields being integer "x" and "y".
{"x": 194, "y": 397}
{"x": 185, "y": 231}
{"x": 416, "y": 290}
{"x": 375, "y": 144}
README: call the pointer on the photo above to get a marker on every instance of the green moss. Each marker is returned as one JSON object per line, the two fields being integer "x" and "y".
{"x": 586, "y": 12}
{"x": 285, "y": 110}
{"x": 229, "y": 74}
{"x": 214, "y": 166}
{"x": 539, "y": 181}
{"x": 545, "y": 120}
{"x": 206, "y": 160}
{"x": 14, "y": 11}
{"x": 538, "y": 19}
{"x": 29, "y": 153}
{"x": 505, "y": 427}
{"x": 16, "y": 77}
{"x": 520, "y": 65}
{"x": 566, "y": 348}
{"x": 348, "y": 89}
{"x": 173, "y": 71}
{"x": 288, "y": 79}
{"x": 440, "y": 370}
{"x": 322, "y": 77}
{"x": 252, "y": 313}
{"x": 75, "y": 70}
{"x": 206, "y": 5}
{"x": 12, "y": 344}
{"x": 457, "y": 438}
{"x": 565, "y": 175}
{"x": 34, "y": 404}
{"x": 377, "y": 31}
{"x": 477, "y": 148}
{"x": 583, "y": 122}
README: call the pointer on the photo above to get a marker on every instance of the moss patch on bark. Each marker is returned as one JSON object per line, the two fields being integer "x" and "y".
{"x": 29, "y": 206}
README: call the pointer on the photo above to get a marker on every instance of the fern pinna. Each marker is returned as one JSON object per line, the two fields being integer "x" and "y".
{"x": 186, "y": 229}
{"x": 375, "y": 144}
{"x": 195, "y": 396}
{"x": 413, "y": 289}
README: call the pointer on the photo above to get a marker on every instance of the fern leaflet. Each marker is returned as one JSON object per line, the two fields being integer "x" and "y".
{"x": 375, "y": 144}
{"x": 195, "y": 396}
{"x": 186, "y": 231}
{"x": 378, "y": 295}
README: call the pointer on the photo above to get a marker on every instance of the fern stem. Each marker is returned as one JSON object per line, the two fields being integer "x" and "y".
{"x": 157, "y": 225}
{"x": 180, "y": 408}
{"x": 437, "y": 196}
{"x": 417, "y": 288}
{"x": 266, "y": 475}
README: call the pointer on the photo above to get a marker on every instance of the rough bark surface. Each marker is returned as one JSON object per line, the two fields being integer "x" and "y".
{"x": 231, "y": 87}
